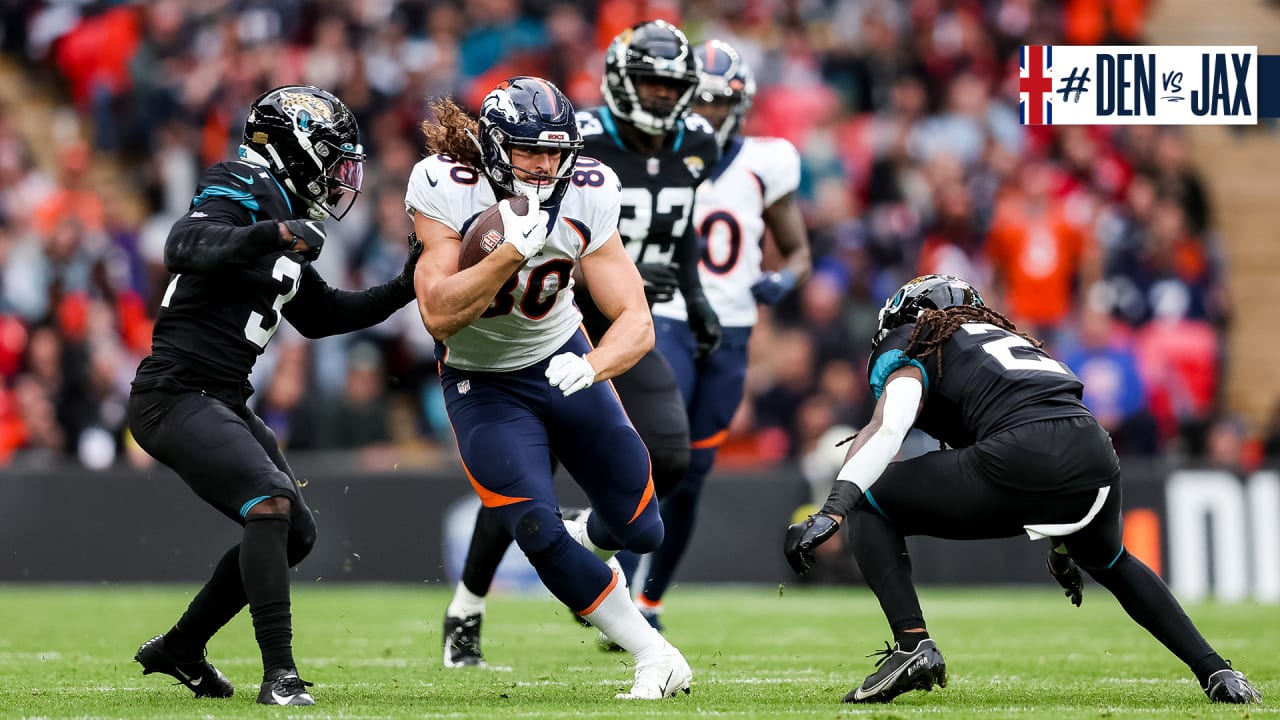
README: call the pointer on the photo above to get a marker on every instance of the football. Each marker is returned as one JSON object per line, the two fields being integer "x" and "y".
{"x": 483, "y": 234}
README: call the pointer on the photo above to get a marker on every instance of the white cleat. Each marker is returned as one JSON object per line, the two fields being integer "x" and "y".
{"x": 661, "y": 677}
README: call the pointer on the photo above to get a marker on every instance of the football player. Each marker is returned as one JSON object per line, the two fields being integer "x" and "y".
{"x": 521, "y": 380}
{"x": 752, "y": 188}
{"x": 241, "y": 260}
{"x": 1025, "y": 456}
{"x": 660, "y": 153}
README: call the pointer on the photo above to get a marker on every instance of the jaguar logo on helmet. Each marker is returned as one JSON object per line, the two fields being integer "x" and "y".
{"x": 306, "y": 109}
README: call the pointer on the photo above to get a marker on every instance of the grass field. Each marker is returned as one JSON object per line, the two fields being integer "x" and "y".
{"x": 374, "y": 652}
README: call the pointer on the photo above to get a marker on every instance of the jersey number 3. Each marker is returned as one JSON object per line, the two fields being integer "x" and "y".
{"x": 1002, "y": 350}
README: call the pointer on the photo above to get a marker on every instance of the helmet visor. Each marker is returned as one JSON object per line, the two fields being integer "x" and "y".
{"x": 344, "y": 179}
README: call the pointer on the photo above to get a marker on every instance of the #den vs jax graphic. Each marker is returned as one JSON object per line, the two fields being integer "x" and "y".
{"x": 1147, "y": 85}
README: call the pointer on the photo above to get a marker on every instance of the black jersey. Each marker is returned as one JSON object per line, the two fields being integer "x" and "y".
{"x": 657, "y": 190}
{"x": 232, "y": 282}
{"x": 982, "y": 381}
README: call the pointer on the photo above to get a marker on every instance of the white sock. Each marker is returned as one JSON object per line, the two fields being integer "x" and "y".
{"x": 465, "y": 603}
{"x": 578, "y": 531}
{"x": 620, "y": 619}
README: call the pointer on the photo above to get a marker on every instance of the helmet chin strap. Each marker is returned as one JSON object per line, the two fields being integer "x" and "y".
{"x": 525, "y": 188}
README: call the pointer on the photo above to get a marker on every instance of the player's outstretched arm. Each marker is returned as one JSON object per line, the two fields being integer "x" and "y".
{"x": 450, "y": 299}
{"x": 786, "y": 224}
{"x": 618, "y": 291}
{"x": 319, "y": 310}
{"x": 216, "y": 234}
{"x": 872, "y": 450}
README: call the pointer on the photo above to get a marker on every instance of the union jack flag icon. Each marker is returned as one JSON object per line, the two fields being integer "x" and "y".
{"x": 1035, "y": 85}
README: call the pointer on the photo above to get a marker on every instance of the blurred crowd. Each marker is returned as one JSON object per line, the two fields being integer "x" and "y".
{"x": 1100, "y": 240}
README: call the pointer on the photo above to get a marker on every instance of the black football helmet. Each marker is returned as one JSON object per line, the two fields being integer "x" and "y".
{"x": 927, "y": 292}
{"x": 308, "y": 139}
{"x": 725, "y": 78}
{"x": 528, "y": 112}
{"x": 654, "y": 49}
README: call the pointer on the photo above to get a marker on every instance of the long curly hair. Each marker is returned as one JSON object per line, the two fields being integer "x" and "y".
{"x": 943, "y": 324}
{"x": 448, "y": 133}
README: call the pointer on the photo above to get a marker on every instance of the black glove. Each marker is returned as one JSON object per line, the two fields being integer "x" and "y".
{"x": 415, "y": 251}
{"x": 704, "y": 324}
{"x": 1064, "y": 570}
{"x": 804, "y": 537}
{"x": 308, "y": 232}
{"x": 660, "y": 281}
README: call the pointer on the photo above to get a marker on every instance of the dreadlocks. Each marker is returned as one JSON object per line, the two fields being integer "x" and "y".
{"x": 448, "y": 134}
{"x": 945, "y": 322}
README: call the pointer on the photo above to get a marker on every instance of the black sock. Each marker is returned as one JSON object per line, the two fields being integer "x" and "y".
{"x": 881, "y": 552}
{"x": 221, "y": 598}
{"x": 907, "y": 641}
{"x": 264, "y": 566}
{"x": 1148, "y": 601}
{"x": 489, "y": 542}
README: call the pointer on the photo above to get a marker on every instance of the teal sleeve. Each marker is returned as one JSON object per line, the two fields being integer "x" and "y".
{"x": 889, "y": 362}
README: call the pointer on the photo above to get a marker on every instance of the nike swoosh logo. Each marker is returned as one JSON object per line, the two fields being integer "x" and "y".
{"x": 430, "y": 181}
{"x": 196, "y": 681}
{"x": 243, "y": 179}
{"x": 666, "y": 686}
{"x": 280, "y": 699}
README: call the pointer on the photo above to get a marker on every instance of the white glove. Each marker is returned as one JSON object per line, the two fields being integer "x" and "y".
{"x": 526, "y": 233}
{"x": 570, "y": 373}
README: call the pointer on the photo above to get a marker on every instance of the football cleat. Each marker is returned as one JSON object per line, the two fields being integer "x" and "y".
{"x": 199, "y": 676}
{"x": 284, "y": 687}
{"x": 900, "y": 671}
{"x": 1231, "y": 686}
{"x": 462, "y": 642}
{"x": 661, "y": 677}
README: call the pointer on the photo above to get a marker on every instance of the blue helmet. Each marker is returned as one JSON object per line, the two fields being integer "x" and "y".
{"x": 725, "y": 77}
{"x": 528, "y": 112}
{"x": 656, "y": 50}
{"x": 927, "y": 292}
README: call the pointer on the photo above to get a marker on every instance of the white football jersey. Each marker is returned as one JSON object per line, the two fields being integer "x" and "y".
{"x": 533, "y": 314}
{"x": 729, "y": 215}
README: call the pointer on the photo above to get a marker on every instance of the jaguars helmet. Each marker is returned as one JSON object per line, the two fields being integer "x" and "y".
{"x": 528, "y": 112}
{"x": 309, "y": 140}
{"x": 725, "y": 78}
{"x": 656, "y": 50}
{"x": 927, "y": 292}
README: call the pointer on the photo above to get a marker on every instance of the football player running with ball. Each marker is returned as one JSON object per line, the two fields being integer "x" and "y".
{"x": 660, "y": 153}
{"x": 751, "y": 189}
{"x": 1025, "y": 455}
{"x": 241, "y": 259}
{"x": 521, "y": 380}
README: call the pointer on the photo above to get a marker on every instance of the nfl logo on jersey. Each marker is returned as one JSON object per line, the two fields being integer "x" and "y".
{"x": 490, "y": 241}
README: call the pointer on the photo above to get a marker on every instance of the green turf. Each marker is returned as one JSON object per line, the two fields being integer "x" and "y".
{"x": 373, "y": 652}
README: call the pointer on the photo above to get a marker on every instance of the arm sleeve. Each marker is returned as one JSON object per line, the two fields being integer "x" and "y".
{"x": 220, "y": 233}
{"x": 901, "y": 403}
{"x": 319, "y": 310}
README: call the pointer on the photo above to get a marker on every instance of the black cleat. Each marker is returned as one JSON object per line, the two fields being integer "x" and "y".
{"x": 1231, "y": 686}
{"x": 899, "y": 672}
{"x": 462, "y": 642}
{"x": 284, "y": 687}
{"x": 199, "y": 676}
